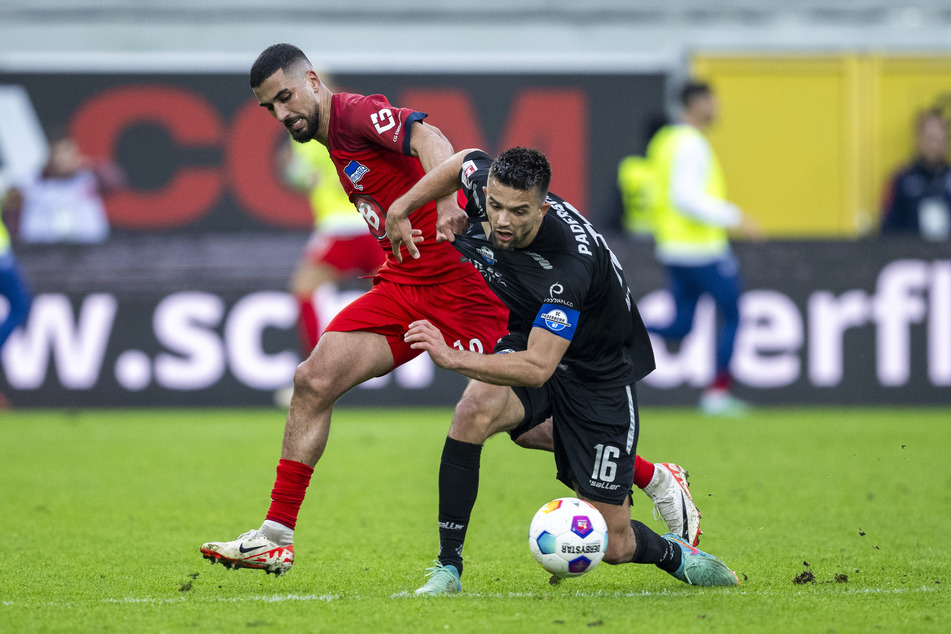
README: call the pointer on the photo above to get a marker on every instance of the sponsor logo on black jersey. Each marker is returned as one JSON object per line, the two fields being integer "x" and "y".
{"x": 557, "y": 289}
{"x": 558, "y": 300}
{"x": 542, "y": 262}
{"x": 491, "y": 276}
{"x": 487, "y": 254}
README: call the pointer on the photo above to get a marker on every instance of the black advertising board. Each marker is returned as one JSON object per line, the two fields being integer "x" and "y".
{"x": 185, "y": 305}
{"x": 204, "y": 320}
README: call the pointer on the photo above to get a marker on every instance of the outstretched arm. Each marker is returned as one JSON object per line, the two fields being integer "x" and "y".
{"x": 527, "y": 368}
{"x": 434, "y": 149}
{"x": 440, "y": 182}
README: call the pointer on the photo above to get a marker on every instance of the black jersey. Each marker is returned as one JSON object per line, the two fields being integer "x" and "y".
{"x": 567, "y": 281}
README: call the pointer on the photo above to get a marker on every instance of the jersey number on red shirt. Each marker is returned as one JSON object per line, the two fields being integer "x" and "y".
{"x": 373, "y": 213}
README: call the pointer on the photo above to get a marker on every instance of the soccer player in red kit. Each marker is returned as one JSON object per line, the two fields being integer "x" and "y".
{"x": 380, "y": 151}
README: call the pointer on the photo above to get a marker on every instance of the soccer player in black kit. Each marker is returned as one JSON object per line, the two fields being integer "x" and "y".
{"x": 576, "y": 348}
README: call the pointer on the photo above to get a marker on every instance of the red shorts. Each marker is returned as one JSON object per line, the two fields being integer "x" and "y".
{"x": 360, "y": 253}
{"x": 468, "y": 314}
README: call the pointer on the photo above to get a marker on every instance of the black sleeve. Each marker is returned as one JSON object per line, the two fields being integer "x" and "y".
{"x": 473, "y": 176}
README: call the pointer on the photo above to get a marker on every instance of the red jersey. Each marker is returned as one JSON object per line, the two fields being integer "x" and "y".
{"x": 369, "y": 143}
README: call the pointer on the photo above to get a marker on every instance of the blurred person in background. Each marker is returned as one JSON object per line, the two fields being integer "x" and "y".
{"x": 12, "y": 287}
{"x": 63, "y": 203}
{"x": 917, "y": 201}
{"x": 636, "y": 192}
{"x": 339, "y": 248}
{"x": 691, "y": 218}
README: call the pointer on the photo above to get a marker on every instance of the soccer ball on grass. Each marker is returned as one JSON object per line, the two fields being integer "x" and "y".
{"x": 568, "y": 537}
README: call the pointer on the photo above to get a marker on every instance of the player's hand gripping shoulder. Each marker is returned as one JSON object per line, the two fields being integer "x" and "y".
{"x": 440, "y": 184}
{"x": 451, "y": 220}
{"x": 434, "y": 150}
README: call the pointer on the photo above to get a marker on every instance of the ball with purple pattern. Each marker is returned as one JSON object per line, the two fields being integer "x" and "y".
{"x": 568, "y": 537}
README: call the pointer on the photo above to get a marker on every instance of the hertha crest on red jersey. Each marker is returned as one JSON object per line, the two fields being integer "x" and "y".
{"x": 355, "y": 171}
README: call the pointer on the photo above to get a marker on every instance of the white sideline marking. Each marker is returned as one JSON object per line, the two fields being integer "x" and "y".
{"x": 277, "y": 598}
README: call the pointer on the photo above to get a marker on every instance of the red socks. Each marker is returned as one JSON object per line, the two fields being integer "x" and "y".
{"x": 643, "y": 472}
{"x": 307, "y": 325}
{"x": 721, "y": 381}
{"x": 288, "y": 492}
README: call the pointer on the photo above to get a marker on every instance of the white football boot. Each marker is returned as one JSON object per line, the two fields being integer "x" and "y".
{"x": 670, "y": 493}
{"x": 251, "y": 550}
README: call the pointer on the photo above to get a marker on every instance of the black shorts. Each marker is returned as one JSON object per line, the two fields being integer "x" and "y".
{"x": 595, "y": 431}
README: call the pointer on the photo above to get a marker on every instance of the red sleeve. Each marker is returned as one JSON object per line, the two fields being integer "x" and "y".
{"x": 372, "y": 120}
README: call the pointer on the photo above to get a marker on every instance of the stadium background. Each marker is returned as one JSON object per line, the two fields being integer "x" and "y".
{"x": 185, "y": 304}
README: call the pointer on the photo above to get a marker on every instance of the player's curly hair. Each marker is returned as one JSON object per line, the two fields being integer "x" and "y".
{"x": 522, "y": 168}
{"x": 274, "y": 58}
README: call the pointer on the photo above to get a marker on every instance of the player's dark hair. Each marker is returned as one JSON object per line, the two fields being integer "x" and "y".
{"x": 693, "y": 89}
{"x": 522, "y": 168}
{"x": 274, "y": 58}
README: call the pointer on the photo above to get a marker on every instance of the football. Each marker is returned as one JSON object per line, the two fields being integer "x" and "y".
{"x": 568, "y": 537}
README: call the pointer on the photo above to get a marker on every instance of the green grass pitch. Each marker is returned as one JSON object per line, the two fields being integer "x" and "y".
{"x": 103, "y": 513}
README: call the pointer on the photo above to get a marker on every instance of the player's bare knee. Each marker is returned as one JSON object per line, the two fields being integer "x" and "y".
{"x": 472, "y": 421}
{"x": 312, "y": 383}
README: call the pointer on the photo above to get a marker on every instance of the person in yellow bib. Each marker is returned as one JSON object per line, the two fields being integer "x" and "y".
{"x": 339, "y": 246}
{"x": 691, "y": 219}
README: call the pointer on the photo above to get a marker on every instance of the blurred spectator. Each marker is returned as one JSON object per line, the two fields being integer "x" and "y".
{"x": 63, "y": 203}
{"x": 918, "y": 198}
{"x": 14, "y": 289}
{"x": 690, "y": 217}
{"x": 339, "y": 248}
{"x": 636, "y": 192}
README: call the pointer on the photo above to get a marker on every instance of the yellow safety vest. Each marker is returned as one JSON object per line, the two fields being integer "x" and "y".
{"x": 677, "y": 234}
{"x": 4, "y": 235}
{"x": 328, "y": 201}
{"x": 638, "y": 186}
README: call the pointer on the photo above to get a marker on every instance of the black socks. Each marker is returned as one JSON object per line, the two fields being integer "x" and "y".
{"x": 654, "y": 549}
{"x": 458, "y": 488}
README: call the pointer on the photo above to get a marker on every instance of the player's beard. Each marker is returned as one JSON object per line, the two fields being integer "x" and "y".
{"x": 306, "y": 133}
{"x": 515, "y": 237}
{"x": 504, "y": 246}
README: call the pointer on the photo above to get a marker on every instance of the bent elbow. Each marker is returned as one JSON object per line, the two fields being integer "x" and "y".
{"x": 539, "y": 377}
